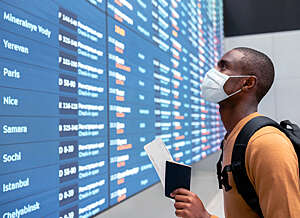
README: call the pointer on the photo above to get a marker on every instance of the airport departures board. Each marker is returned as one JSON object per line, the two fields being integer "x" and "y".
{"x": 86, "y": 84}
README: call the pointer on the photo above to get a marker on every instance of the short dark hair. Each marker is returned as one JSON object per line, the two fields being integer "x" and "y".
{"x": 257, "y": 63}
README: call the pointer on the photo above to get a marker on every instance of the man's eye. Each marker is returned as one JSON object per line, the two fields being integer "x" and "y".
{"x": 222, "y": 66}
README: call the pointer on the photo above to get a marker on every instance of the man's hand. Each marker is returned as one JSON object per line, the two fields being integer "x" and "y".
{"x": 188, "y": 205}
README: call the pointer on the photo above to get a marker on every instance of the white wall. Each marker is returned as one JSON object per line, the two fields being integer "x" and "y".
{"x": 283, "y": 100}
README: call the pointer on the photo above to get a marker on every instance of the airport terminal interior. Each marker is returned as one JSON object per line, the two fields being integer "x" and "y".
{"x": 86, "y": 84}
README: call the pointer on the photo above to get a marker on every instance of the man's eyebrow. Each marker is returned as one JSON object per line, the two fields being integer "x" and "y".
{"x": 223, "y": 62}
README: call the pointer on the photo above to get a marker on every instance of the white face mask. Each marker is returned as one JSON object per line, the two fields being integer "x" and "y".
{"x": 213, "y": 86}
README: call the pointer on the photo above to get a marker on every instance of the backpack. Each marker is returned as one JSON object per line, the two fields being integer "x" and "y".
{"x": 237, "y": 166}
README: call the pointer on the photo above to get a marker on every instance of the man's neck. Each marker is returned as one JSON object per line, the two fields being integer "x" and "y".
{"x": 231, "y": 114}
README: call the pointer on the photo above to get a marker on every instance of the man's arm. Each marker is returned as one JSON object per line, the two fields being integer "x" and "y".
{"x": 272, "y": 167}
{"x": 188, "y": 205}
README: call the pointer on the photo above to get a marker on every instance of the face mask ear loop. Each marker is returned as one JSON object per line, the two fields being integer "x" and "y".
{"x": 239, "y": 89}
{"x": 234, "y": 93}
{"x": 236, "y": 76}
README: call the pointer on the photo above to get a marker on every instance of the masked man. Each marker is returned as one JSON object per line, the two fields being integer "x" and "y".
{"x": 238, "y": 83}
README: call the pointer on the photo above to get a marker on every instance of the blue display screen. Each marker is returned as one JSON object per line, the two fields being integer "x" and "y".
{"x": 85, "y": 84}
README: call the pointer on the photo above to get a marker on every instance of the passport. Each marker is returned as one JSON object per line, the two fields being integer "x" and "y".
{"x": 177, "y": 176}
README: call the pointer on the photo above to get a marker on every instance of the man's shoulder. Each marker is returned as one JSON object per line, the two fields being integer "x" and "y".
{"x": 267, "y": 134}
{"x": 270, "y": 142}
{"x": 270, "y": 152}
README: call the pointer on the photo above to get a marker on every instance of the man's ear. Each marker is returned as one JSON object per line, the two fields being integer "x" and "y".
{"x": 249, "y": 83}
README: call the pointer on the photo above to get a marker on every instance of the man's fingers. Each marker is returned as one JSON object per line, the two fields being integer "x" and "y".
{"x": 187, "y": 205}
{"x": 182, "y": 198}
{"x": 180, "y": 205}
{"x": 179, "y": 213}
{"x": 182, "y": 213}
{"x": 181, "y": 191}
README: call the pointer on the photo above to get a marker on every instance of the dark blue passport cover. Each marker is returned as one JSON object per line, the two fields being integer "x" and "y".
{"x": 177, "y": 176}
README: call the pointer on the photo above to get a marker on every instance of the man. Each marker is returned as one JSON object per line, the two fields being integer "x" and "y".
{"x": 239, "y": 82}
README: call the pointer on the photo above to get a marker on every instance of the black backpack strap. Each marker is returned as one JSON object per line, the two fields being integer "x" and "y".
{"x": 223, "y": 174}
{"x": 243, "y": 184}
{"x": 219, "y": 166}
